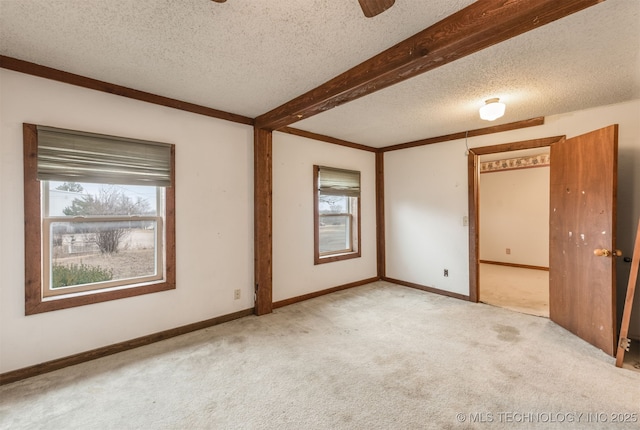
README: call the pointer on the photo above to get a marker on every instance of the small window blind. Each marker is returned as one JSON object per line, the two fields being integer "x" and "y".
{"x": 338, "y": 182}
{"x": 68, "y": 155}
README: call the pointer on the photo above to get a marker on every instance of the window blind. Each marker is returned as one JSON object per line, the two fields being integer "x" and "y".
{"x": 338, "y": 182}
{"x": 68, "y": 155}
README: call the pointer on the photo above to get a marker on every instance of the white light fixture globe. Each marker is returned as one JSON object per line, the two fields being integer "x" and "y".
{"x": 492, "y": 109}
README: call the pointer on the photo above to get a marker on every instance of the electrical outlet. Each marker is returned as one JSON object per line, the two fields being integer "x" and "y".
{"x": 508, "y": 250}
{"x": 236, "y": 294}
{"x": 446, "y": 273}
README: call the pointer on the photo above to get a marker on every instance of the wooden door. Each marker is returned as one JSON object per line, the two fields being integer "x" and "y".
{"x": 582, "y": 219}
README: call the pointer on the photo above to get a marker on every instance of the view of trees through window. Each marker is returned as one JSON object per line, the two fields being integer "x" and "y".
{"x": 101, "y": 233}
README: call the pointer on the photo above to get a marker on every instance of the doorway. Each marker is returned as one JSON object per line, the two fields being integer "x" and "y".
{"x": 514, "y": 230}
{"x": 582, "y": 227}
{"x": 473, "y": 168}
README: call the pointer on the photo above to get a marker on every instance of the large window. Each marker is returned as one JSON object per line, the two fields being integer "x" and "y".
{"x": 337, "y": 214}
{"x": 99, "y": 221}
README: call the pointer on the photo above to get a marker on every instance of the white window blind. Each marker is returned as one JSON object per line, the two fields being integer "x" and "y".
{"x": 68, "y": 155}
{"x": 338, "y": 182}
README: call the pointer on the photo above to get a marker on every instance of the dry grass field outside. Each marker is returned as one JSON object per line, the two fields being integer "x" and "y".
{"x": 136, "y": 255}
{"x": 129, "y": 263}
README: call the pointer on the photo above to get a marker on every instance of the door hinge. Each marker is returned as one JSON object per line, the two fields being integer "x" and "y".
{"x": 624, "y": 343}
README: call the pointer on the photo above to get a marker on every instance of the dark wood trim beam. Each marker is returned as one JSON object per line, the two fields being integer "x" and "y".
{"x": 263, "y": 223}
{"x": 50, "y": 366}
{"x": 464, "y": 134}
{"x": 531, "y": 122}
{"x": 427, "y": 289}
{"x": 476, "y": 27}
{"x": 380, "y": 223}
{"x": 516, "y": 146}
{"x": 328, "y": 139}
{"x": 32, "y": 219}
{"x": 33, "y": 69}
{"x": 473, "y": 172}
{"x": 315, "y": 294}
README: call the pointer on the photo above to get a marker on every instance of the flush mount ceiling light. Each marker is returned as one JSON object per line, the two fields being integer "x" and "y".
{"x": 492, "y": 109}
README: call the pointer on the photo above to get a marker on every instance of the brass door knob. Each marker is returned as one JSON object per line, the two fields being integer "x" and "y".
{"x": 606, "y": 253}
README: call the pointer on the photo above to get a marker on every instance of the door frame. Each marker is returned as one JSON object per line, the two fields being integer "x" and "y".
{"x": 473, "y": 175}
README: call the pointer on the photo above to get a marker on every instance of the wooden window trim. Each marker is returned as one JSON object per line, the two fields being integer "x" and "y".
{"x": 317, "y": 257}
{"x": 34, "y": 302}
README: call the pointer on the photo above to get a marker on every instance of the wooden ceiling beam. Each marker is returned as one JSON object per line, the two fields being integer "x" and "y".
{"x": 325, "y": 138}
{"x": 476, "y": 27}
{"x": 531, "y": 122}
{"x": 33, "y": 69}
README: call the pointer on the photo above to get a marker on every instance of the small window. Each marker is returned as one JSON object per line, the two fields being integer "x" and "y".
{"x": 98, "y": 217}
{"x": 337, "y": 214}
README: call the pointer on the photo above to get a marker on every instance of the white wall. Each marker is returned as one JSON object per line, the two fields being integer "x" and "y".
{"x": 514, "y": 214}
{"x": 294, "y": 273}
{"x": 426, "y": 197}
{"x": 425, "y": 201}
{"x": 214, "y": 220}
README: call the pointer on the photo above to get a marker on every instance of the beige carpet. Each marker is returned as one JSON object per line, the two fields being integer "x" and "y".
{"x": 379, "y": 356}
{"x": 518, "y": 289}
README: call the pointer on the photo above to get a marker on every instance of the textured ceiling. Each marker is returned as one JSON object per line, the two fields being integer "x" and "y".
{"x": 248, "y": 57}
